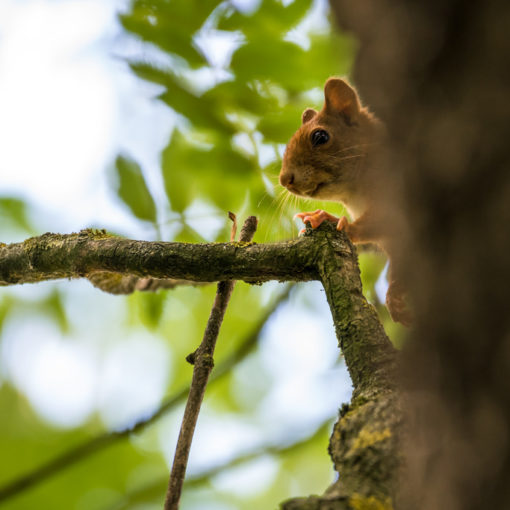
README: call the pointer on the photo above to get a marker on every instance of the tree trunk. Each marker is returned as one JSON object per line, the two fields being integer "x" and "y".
{"x": 438, "y": 73}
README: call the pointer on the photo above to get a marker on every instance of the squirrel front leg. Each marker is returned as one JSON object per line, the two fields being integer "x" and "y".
{"x": 366, "y": 229}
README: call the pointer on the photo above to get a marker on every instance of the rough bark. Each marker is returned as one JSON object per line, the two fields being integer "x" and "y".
{"x": 55, "y": 256}
{"x": 364, "y": 446}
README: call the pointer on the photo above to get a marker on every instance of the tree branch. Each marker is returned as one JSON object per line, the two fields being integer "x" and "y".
{"x": 364, "y": 444}
{"x": 203, "y": 363}
{"x": 55, "y": 256}
{"x": 369, "y": 355}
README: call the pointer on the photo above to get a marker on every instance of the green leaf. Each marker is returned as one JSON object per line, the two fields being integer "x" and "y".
{"x": 279, "y": 126}
{"x": 187, "y": 234}
{"x": 238, "y": 95}
{"x": 219, "y": 173}
{"x": 132, "y": 189}
{"x": 14, "y": 210}
{"x": 174, "y": 171}
{"x": 331, "y": 54}
{"x": 169, "y": 38}
{"x": 279, "y": 61}
{"x": 150, "y": 307}
{"x": 271, "y": 18}
{"x": 202, "y": 112}
{"x": 171, "y": 26}
{"x": 6, "y": 304}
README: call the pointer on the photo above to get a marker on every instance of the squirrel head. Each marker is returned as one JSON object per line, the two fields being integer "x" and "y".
{"x": 328, "y": 155}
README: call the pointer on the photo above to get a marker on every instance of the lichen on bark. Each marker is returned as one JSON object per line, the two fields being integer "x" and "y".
{"x": 364, "y": 445}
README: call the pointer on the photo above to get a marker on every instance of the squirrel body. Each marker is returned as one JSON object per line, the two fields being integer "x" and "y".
{"x": 334, "y": 156}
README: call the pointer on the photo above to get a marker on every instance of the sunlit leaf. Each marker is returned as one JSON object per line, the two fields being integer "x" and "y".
{"x": 326, "y": 49}
{"x": 150, "y": 307}
{"x": 271, "y": 17}
{"x": 281, "y": 61}
{"x": 171, "y": 26}
{"x": 175, "y": 173}
{"x": 279, "y": 126}
{"x": 216, "y": 171}
{"x": 200, "y": 111}
{"x": 5, "y": 308}
{"x": 14, "y": 211}
{"x": 238, "y": 95}
{"x": 132, "y": 189}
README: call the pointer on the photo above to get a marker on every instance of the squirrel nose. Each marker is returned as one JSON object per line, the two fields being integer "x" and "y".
{"x": 286, "y": 179}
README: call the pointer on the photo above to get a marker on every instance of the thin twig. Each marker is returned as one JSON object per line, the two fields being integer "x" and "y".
{"x": 203, "y": 363}
{"x": 81, "y": 452}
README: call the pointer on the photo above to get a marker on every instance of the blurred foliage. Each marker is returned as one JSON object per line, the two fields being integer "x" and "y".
{"x": 133, "y": 190}
{"x": 238, "y": 80}
{"x": 233, "y": 115}
{"x": 14, "y": 216}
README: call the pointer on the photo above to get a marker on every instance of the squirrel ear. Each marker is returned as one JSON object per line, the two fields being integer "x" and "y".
{"x": 341, "y": 98}
{"x": 308, "y": 114}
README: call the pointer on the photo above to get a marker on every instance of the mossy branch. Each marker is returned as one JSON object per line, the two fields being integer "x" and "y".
{"x": 364, "y": 444}
{"x": 54, "y": 256}
{"x": 323, "y": 254}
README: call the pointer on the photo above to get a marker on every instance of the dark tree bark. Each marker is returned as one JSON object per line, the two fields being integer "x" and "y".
{"x": 438, "y": 73}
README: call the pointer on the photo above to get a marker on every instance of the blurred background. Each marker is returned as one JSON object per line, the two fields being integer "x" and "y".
{"x": 152, "y": 119}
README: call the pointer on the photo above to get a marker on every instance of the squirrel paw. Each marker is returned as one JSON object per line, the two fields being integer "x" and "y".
{"x": 342, "y": 224}
{"x": 317, "y": 217}
{"x": 397, "y": 305}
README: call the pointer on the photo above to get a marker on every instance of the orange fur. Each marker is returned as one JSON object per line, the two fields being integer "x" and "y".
{"x": 343, "y": 169}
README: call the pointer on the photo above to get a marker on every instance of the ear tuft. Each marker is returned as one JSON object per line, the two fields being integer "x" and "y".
{"x": 341, "y": 98}
{"x": 308, "y": 114}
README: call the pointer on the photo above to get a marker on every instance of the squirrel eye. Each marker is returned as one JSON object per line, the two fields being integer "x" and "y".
{"x": 319, "y": 137}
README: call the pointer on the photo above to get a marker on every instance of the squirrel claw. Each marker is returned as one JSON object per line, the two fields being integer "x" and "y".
{"x": 316, "y": 218}
{"x": 301, "y": 215}
{"x": 342, "y": 223}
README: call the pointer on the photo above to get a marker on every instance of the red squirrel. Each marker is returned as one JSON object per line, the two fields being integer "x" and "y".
{"x": 334, "y": 156}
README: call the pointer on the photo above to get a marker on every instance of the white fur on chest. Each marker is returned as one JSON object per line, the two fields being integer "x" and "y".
{"x": 355, "y": 206}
